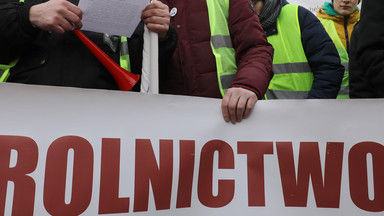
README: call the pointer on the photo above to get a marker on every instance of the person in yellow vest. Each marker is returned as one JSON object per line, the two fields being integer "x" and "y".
{"x": 306, "y": 64}
{"x": 38, "y": 47}
{"x": 339, "y": 18}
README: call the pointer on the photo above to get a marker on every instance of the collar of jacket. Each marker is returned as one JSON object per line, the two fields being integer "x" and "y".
{"x": 273, "y": 29}
{"x": 327, "y": 12}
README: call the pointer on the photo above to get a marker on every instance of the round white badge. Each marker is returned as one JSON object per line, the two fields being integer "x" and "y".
{"x": 173, "y": 12}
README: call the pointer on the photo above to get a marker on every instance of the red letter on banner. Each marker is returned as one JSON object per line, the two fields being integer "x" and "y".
{"x": 358, "y": 176}
{"x": 187, "y": 164}
{"x": 255, "y": 162}
{"x": 296, "y": 193}
{"x": 147, "y": 170}
{"x": 109, "y": 201}
{"x": 56, "y": 171}
{"x": 226, "y": 188}
{"x": 24, "y": 186}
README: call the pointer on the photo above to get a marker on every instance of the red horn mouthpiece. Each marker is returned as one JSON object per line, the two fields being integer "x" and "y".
{"x": 124, "y": 79}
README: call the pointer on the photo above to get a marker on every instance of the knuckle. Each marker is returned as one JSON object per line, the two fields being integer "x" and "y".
{"x": 232, "y": 108}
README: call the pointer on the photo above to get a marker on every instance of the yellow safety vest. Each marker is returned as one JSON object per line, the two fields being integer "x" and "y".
{"x": 221, "y": 43}
{"x": 329, "y": 26}
{"x": 293, "y": 77}
{"x": 124, "y": 54}
{"x": 4, "y": 70}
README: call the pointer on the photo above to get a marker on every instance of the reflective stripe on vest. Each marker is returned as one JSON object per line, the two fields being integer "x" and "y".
{"x": 221, "y": 43}
{"x": 330, "y": 27}
{"x": 293, "y": 77}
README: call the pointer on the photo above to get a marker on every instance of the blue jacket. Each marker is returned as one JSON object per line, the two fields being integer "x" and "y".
{"x": 321, "y": 53}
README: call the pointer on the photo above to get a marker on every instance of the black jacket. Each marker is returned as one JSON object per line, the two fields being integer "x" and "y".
{"x": 62, "y": 59}
{"x": 366, "y": 57}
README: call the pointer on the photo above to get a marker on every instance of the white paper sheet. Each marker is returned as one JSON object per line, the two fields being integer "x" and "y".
{"x": 115, "y": 17}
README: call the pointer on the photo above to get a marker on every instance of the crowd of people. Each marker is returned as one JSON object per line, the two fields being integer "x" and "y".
{"x": 239, "y": 50}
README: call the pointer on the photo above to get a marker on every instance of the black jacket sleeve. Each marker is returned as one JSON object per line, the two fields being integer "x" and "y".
{"x": 367, "y": 52}
{"x": 16, "y": 29}
{"x": 322, "y": 56}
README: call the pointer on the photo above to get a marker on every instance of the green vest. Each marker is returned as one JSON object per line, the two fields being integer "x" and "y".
{"x": 4, "y": 70}
{"x": 124, "y": 59}
{"x": 124, "y": 54}
{"x": 293, "y": 77}
{"x": 221, "y": 43}
{"x": 329, "y": 26}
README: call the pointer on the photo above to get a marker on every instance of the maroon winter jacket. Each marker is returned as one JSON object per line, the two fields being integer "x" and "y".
{"x": 192, "y": 70}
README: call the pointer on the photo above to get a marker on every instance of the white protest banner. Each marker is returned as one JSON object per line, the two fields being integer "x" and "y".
{"x": 68, "y": 151}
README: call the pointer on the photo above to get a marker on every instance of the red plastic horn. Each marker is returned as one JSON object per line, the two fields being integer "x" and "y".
{"x": 124, "y": 79}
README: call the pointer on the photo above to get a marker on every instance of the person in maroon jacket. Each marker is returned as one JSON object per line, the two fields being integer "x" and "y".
{"x": 192, "y": 70}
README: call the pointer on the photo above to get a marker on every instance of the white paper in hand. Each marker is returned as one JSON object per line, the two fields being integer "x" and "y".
{"x": 115, "y": 17}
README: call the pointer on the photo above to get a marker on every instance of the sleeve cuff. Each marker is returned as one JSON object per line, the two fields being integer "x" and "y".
{"x": 24, "y": 19}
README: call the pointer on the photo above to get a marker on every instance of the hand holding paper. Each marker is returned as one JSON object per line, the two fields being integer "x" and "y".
{"x": 55, "y": 15}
